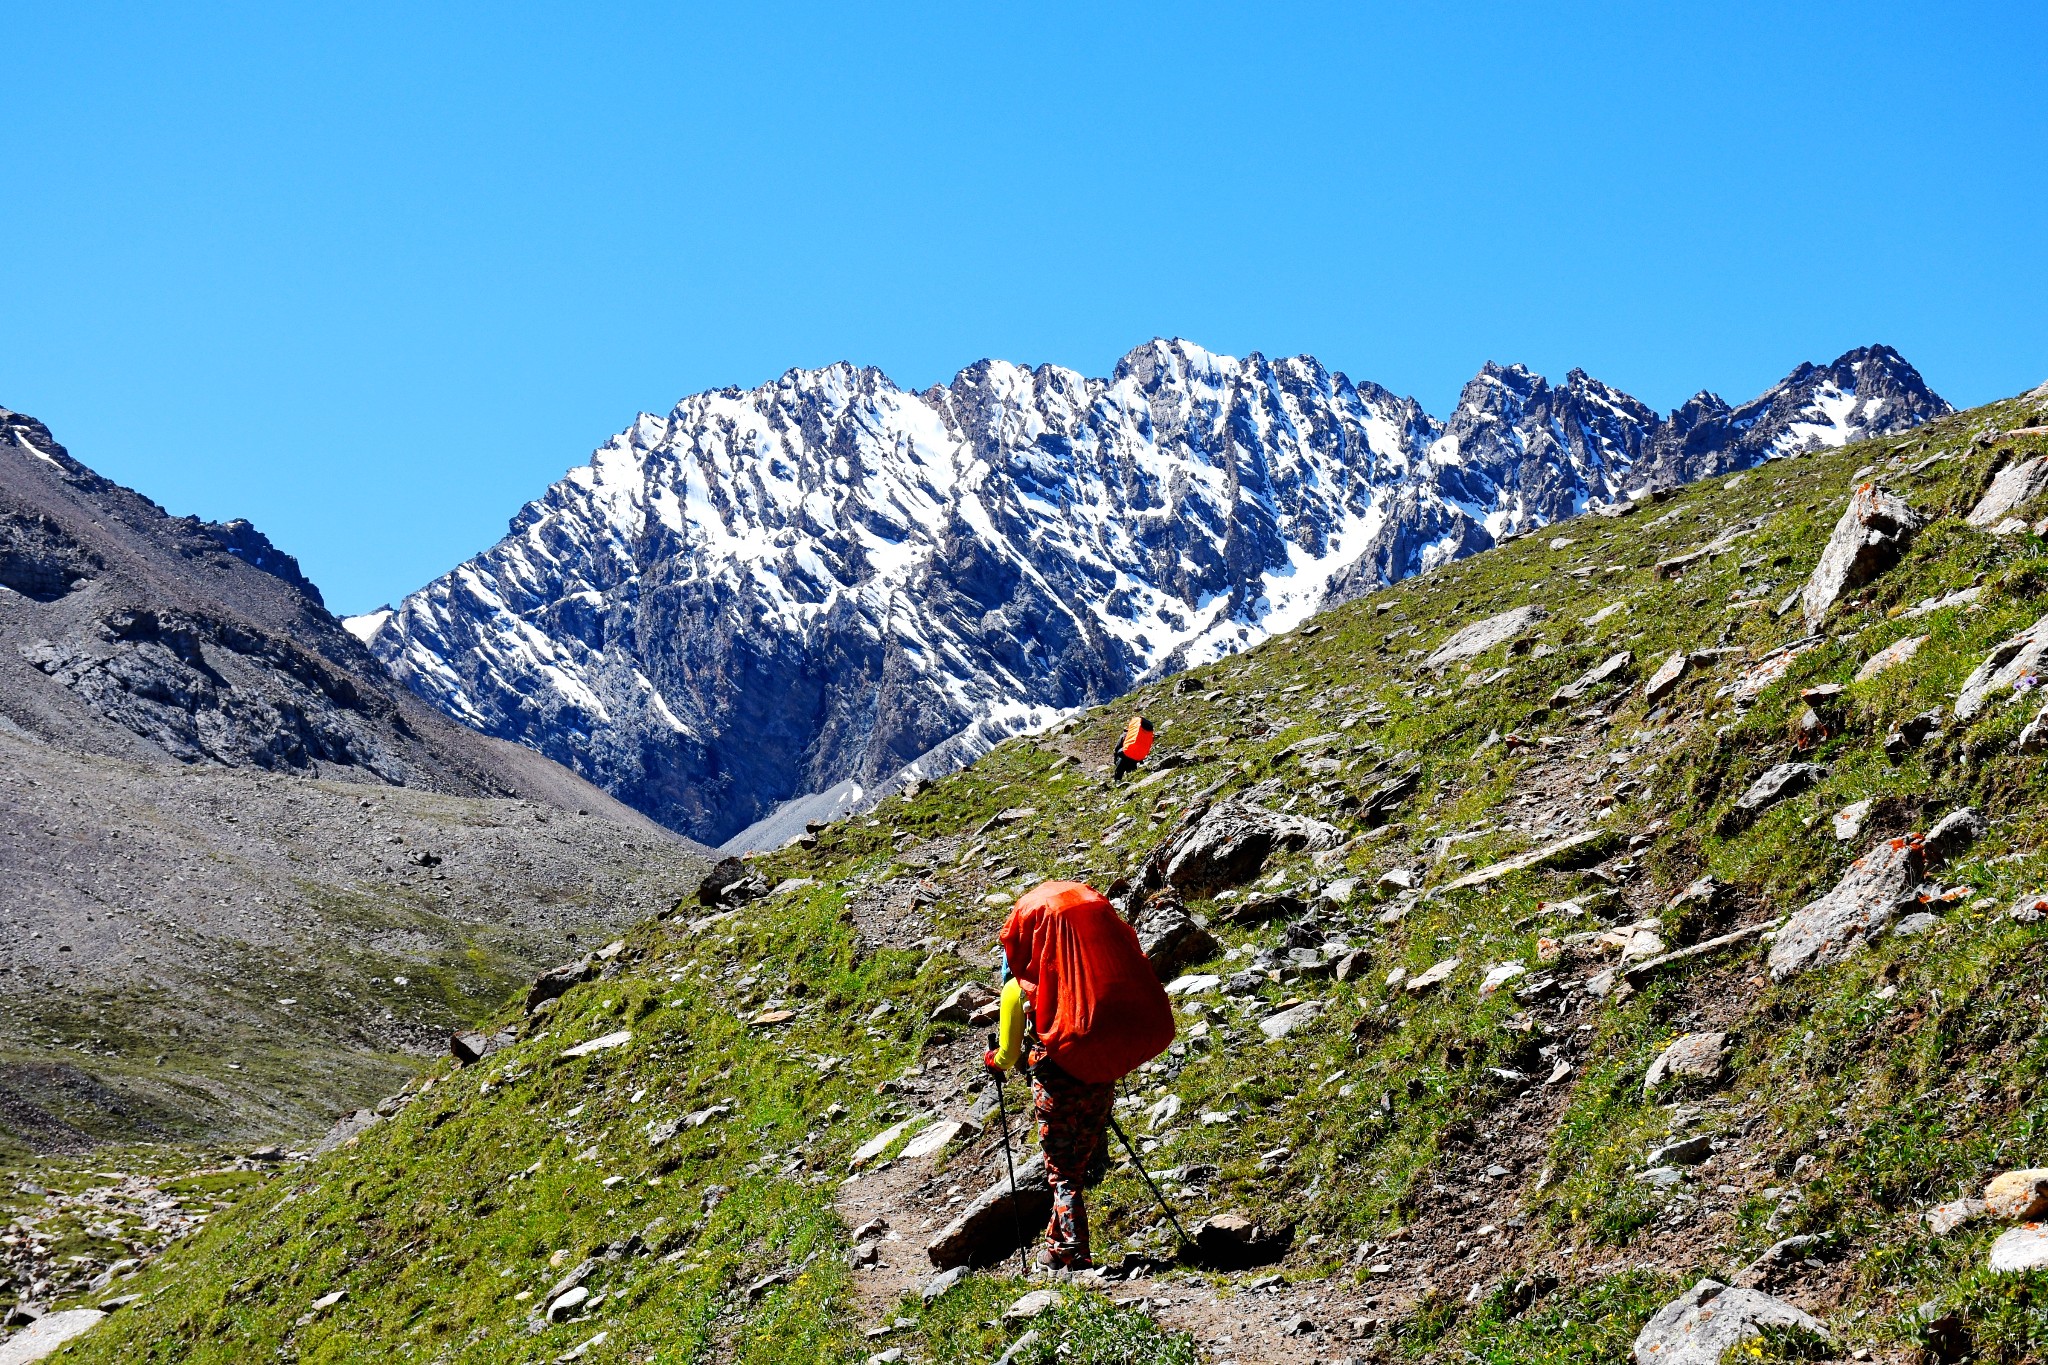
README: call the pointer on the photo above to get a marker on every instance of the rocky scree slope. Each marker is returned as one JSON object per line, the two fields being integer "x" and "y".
{"x": 127, "y": 632}
{"x": 209, "y": 953}
{"x": 1476, "y": 897}
{"x": 826, "y": 585}
{"x": 201, "y": 940}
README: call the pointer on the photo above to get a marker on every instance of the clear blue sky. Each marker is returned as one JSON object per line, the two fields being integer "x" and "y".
{"x": 374, "y": 275}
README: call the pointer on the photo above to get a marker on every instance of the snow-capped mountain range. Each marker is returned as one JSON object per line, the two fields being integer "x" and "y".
{"x": 826, "y": 583}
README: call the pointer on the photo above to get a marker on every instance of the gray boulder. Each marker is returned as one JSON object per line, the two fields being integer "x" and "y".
{"x": 1480, "y": 636}
{"x": 1170, "y": 939}
{"x": 731, "y": 882}
{"x": 1871, "y": 894}
{"x": 556, "y": 981}
{"x": 2022, "y": 655}
{"x": 346, "y": 1129}
{"x": 1784, "y": 780}
{"x": 1874, "y": 531}
{"x": 1613, "y": 666}
{"x": 468, "y": 1047}
{"x": 1696, "y": 1056}
{"x": 1699, "y": 1326}
{"x": 985, "y": 1232}
{"x": 2017, "y": 484}
{"x": 1230, "y": 843}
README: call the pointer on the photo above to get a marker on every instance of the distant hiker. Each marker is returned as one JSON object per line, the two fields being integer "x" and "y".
{"x": 1136, "y": 744}
{"x": 1084, "y": 1008}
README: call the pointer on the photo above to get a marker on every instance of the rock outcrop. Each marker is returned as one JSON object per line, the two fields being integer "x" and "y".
{"x": 2016, "y": 663}
{"x": 986, "y": 1231}
{"x": 2017, "y": 484}
{"x": 1875, "y": 891}
{"x": 1469, "y": 642}
{"x": 1228, "y": 845}
{"x": 1873, "y": 532}
{"x": 1701, "y": 1325}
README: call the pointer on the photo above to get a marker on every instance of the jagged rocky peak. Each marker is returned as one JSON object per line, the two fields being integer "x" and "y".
{"x": 828, "y": 582}
{"x": 1866, "y": 392}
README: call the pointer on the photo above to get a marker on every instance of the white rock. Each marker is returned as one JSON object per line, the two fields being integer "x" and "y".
{"x": 567, "y": 1303}
{"x": 1031, "y": 1305}
{"x": 1287, "y": 1021}
{"x": 1699, "y": 1326}
{"x": 1892, "y": 654}
{"x": 1850, "y": 819}
{"x": 879, "y": 1143}
{"x": 2020, "y": 1249}
{"x": 43, "y": 1336}
{"x": 600, "y": 1044}
{"x": 1436, "y": 975}
{"x": 1642, "y": 945}
{"x": 938, "y": 1138}
{"x": 2034, "y": 738}
{"x": 2017, "y": 483}
{"x": 1198, "y": 984}
{"x": 583, "y": 1349}
{"x": 2018, "y": 657}
{"x": 1162, "y": 1111}
{"x": 1500, "y": 976}
{"x": 1480, "y": 636}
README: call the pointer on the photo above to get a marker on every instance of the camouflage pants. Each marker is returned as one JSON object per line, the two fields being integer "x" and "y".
{"x": 1072, "y": 1116}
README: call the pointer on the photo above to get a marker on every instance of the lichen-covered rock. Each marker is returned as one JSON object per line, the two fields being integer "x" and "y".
{"x": 2017, "y": 1196}
{"x": 1698, "y": 1327}
{"x": 1874, "y": 531}
{"x": 1871, "y": 894}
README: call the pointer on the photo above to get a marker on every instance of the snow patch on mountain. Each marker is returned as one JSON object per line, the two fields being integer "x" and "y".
{"x": 829, "y": 580}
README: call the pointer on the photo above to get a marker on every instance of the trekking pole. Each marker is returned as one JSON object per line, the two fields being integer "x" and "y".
{"x": 1146, "y": 1175}
{"x": 1016, "y": 1204}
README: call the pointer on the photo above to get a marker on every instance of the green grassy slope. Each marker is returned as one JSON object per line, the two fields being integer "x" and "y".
{"x": 1859, "y": 1094}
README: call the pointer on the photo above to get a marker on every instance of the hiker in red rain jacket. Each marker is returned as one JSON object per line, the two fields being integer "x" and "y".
{"x": 1084, "y": 1007}
{"x": 1137, "y": 742}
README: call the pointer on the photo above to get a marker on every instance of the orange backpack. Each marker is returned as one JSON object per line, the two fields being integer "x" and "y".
{"x": 1096, "y": 1004}
{"x": 1137, "y": 739}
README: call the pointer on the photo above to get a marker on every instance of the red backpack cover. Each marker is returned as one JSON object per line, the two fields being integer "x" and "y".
{"x": 1137, "y": 739}
{"x": 1096, "y": 1004}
